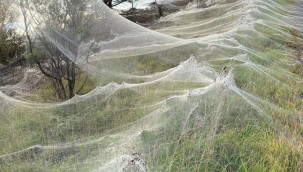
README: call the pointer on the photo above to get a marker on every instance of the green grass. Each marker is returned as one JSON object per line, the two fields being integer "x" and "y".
{"x": 225, "y": 133}
{"x": 46, "y": 93}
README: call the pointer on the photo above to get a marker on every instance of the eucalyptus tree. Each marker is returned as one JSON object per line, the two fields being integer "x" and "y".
{"x": 65, "y": 20}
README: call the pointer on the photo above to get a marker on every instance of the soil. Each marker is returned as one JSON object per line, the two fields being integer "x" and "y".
{"x": 17, "y": 78}
{"x": 12, "y": 73}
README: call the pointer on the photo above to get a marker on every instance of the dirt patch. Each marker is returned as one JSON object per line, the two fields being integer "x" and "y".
{"x": 18, "y": 80}
{"x": 13, "y": 73}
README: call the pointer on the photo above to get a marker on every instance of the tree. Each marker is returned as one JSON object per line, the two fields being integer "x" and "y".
{"x": 11, "y": 43}
{"x": 109, "y": 3}
{"x": 112, "y": 3}
{"x": 64, "y": 20}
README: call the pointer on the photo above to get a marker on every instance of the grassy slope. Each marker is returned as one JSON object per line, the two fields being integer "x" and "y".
{"x": 252, "y": 146}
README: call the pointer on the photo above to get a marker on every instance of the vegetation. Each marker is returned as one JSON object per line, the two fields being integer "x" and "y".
{"x": 112, "y": 3}
{"x": 253, "y": 126}
{"x": 47, "y": 93}
{"x": 53, "y": 63}
{"x": 11, "y": 43}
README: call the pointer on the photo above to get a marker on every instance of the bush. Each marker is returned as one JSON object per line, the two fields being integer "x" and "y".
{"x": 11, "y": 43}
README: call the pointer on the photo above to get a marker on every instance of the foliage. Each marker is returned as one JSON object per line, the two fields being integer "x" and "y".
{"x": 11, "y": 43}
{"x": 33, "y": 57}
{"x": 66, "y": 17}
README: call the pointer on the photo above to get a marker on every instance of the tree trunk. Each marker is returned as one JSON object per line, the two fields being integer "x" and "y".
{"x": 72, "y": 80}
{"x": 59, "y": 89}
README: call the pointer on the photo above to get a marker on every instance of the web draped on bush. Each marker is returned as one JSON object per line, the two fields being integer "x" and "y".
{"x": 204, "y": 89}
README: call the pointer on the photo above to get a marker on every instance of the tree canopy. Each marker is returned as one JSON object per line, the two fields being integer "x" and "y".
{"x": 11, "y": 43}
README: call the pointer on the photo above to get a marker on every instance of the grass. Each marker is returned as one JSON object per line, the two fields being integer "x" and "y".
{"x": 226, "y": 132}
{"x": 84, "y": 85}
{"x": 244, "y": 141}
